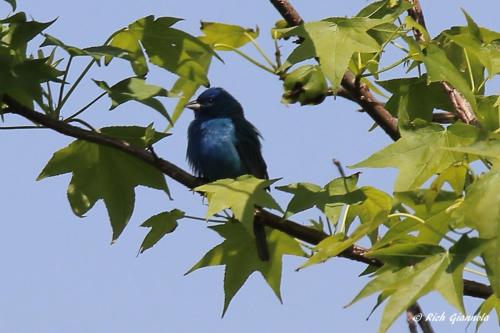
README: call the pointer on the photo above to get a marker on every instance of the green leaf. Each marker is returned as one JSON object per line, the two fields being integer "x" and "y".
{"x": 487, "y": 148}
{"x": 372, "y": 210}
{"x": 410, "y": 23}
{"x": 488, "y": 112}
{"x": 100, "y": 172}
{"x": 375, "y": 205}
{"x": 306, "y": 85}
{"x": 430, "y": 206}
{"x": 160, "y": 224}
{"x": 385, "y": 279}
{"x": 414, "y": 98}
{"x": 492, "y": 302}
{"x": 174, "y": 49}
{"x": 136, "y": 89}
{"x": 166, "y": 47}
{"x": 401, "y": 255}
{"x": 187, "y": 88}
{"x": 221, "y": 35}
{"x": 451, "y": 285}
{"x": 478, "y": 42}
{"x": 12, "y": 3}
{"x": 419, "y": 154}
{"x": 384, "y": 8}
{"x": 21, "y": 31}
{"x": 410, "y": 288}
{"x": 135, "y": 135}
{"x": 481, "y": 210}
{"x": 440, "y": 68}
{"x": 239, "y": 254}
{"x": 23, "y": 80}
{"x": 96, "y": 52}
{"x": 308, "y": 195}
{"x": 128, "y": 40}
{"x": 241, "y": 195}
{"x": 333, "y": 41}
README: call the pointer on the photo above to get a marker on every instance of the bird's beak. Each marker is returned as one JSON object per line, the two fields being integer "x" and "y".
{"x": 193, "y": 105}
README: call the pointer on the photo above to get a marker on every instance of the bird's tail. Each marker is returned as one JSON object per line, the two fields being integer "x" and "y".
{"x": 261, "y": 242}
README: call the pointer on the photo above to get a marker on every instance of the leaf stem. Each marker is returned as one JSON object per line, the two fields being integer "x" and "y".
{"x": 247, "y": 57}
{"x": 399, "y": 46}
{"x": 473, "y": 271}
{"x": 63, "y": 83}
{"x": 76, "y": 114}
{"x": 389, "y": 67}
{"x": 382, "y": 47}
{"x": 261, "y": 52}
{"x": 344, "y": 219}
{"x": 50, "y": 100}
{"x": 418, "y": 219}
{"x": 469, "y": 69}
{"x": 203, "y": 219}
{"x": 481, "y": 85}
{"x": 84, "y": 123}
{"x": 73, "y": 87}
{"x": 449, "y": 239}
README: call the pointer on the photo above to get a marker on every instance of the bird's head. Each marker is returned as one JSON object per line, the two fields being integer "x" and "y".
{"x": 215, "y": 102}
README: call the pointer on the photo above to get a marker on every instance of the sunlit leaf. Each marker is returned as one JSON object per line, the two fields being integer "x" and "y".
{"x": 306, "y": 195}
{"x": 372, "y": 210}
{"x": 333, "y": 41}
{"x": 440, "y": 68}
{"x": 410, "y": 288}
{"x": 450, "y": 285}
{"x": 226, "y": 37}
{"x": 414, "y": 98}
{"x": 481, "y": 211}
{"x": 405, "y": 254}
{"x": 241, "y": 195}
{"x": 419, "y": 154}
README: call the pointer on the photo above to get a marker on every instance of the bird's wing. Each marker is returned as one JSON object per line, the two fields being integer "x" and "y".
{"x": 249, "y": 148}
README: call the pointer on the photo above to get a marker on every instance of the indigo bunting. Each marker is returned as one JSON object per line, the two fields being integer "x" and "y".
{"x": 223, "y": 144}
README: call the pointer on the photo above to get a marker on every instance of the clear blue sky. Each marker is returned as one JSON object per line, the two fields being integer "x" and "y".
{"x": 59, "y": 272}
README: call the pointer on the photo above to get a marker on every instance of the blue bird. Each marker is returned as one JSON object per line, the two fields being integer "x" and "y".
{"x": 223, "y": 144}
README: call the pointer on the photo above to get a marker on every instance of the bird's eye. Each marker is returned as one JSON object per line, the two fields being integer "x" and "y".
{"x": 211, "y": 100}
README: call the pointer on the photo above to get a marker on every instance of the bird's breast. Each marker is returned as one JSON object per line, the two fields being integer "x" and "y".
{"x": 211, "y": 149}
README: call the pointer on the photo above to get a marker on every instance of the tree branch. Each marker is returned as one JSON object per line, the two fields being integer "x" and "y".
{"x": 415, "y": 314}
{"x": 460, "y": 103}
{"x": 288, "y": 12}
{"x": 309, "y": 235}
{"x": 353, "y": 89}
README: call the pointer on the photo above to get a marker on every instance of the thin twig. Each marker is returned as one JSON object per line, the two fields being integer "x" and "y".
{"x": 288, "y": 12}
{"x": 20, "y": 127}
{"x": 83, "y": 122}
{"x": 73, "y": 86}
{"x": 63, "y": 84}
{"x": 76, "y": 114}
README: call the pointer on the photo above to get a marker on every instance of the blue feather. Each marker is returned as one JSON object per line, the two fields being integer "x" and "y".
{"x": 223, "y": 144}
